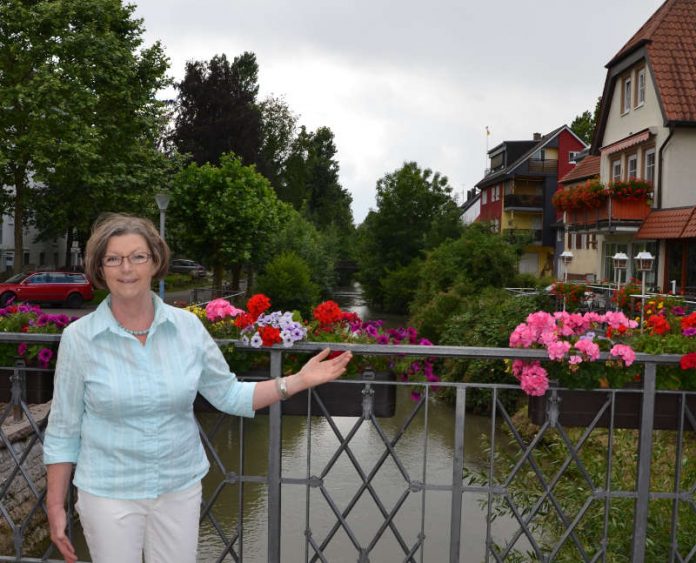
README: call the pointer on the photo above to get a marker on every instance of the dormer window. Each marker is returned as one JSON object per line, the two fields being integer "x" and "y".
{"x": 539, "y": 155}
{"x": 626, "y": 95}
{"x": 640, "y": 88}
{"x": 572, "y": 156}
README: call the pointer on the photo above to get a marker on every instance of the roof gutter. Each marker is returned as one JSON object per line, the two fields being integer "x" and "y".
{"x": 658, "y": 199}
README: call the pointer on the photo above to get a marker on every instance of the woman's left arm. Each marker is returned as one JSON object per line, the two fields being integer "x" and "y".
{"x": 316, "y": 371}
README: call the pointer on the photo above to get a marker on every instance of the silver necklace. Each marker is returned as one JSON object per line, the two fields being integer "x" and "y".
{"x": 134, "y": 332}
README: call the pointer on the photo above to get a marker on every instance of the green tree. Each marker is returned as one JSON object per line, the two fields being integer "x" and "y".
{"x": 311, "y": 181}
{"x": 287, "y": 281}
{"x": 415, "y": 212}
{"x": 77, "y": 89}
{"x": 278, "y": 131}
{"x": 584, "y": 124}
{"x": 222, "y": 214}
{"x": 217, "y": 110}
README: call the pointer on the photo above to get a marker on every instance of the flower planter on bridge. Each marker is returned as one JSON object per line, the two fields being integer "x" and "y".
{"x": 580, "y": 407}
{"x": 339, "y": 399}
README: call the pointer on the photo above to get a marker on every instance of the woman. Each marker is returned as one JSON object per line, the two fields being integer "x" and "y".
{"x": 126, "y": 378}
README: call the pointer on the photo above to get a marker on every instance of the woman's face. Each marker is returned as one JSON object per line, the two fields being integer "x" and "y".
{"x": 128, "y": 281}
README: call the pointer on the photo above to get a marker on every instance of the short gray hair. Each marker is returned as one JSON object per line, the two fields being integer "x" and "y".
{"x": 110, "y": 225}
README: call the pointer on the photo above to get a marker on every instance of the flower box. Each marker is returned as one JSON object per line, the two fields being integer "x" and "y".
{"x": 39, "y": 386}
{"x": 339, "y": 398}
{"x": 580, "y": 407}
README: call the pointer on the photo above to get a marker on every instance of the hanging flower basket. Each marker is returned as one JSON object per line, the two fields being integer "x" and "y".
{"x": 339, "y": 398}
{"x": 580, "y": 407}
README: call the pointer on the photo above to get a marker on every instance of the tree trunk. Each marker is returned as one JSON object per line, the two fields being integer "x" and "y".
{"x": 68, "y": 247}
{"x": 20, "y": 189}
{"x": 236, "y": 276}
{"x": 218, "y": 272}
{"x": 250, "y": 278}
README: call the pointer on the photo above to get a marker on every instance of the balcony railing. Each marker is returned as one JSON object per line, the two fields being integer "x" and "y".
{"x": 531, "y": 236}
{"x": 615, "y": 214}
{"x": 543, "y": 166}
{"x": 405, "y": 532}
{"x": 522, "y": 201}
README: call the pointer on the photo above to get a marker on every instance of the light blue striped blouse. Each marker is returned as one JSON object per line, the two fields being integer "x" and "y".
{"x": 123, "y": 411}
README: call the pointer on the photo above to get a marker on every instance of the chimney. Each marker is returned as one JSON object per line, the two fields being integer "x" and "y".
{"x": 536, "y": 136}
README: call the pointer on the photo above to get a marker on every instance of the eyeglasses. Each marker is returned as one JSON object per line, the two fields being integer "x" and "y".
{"x": 136, "y": 259}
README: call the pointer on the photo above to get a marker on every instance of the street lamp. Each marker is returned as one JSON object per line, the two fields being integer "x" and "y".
{"x": 644, "y": 263}
{"x": 620, "y": 260}
{"x": 162, "y": 200}
{"x": 566, "y": 258}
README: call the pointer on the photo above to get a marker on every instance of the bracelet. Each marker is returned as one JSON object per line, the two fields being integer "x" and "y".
{"x": 282, "y": 386}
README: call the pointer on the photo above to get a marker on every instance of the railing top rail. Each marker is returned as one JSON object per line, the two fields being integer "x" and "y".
{"x": 463, "y": 352}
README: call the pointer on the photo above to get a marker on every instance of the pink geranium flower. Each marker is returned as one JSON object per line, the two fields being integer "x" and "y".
{"x": 219, "y": 309}
{"x": 623, "y": 352}
{"x": 534, "y": 380}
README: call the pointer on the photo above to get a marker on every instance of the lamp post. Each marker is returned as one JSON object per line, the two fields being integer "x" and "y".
{"x": 620, "y": 260}
{"x": 644, "y": 263}
{"x": 162, "y": 200}
{"x": 566, "y": 258}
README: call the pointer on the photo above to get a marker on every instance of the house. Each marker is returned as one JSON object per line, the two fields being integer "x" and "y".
{"x": 578, "y": 240}
{"x": 471, "y": 208}
{"x": 515, "y": 194}
{"x": 48, "y": 255}
{"x": 647, "y": 130}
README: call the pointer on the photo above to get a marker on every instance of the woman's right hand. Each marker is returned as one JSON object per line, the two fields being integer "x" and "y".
{"x": 57, "y": 522}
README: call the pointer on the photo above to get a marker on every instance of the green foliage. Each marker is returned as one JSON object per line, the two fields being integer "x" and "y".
{"x": 222, "y": 214}
{"x": 476, "y": 260}
{"x": 415, "y": 212}
{"x": 399, "y": 286}
{"x": 80, "y": 118}
{"x": 287, "y": 281}
{"x": 311, "y": 182}
{"x": 584, "y": 124}
{"x": 485, "y": 319}
{"x": 217, "y": 110}
{"x": 573, "y": 491}
{"x": 319, "y": 249}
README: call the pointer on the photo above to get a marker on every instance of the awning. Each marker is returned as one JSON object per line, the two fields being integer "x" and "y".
{"x": 669, "y": 224}
{"x": 626, "y": 142}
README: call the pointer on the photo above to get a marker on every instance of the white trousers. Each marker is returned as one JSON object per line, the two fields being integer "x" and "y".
{"x": 164, "y": 530}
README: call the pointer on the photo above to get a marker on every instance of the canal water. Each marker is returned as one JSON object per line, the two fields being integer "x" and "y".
{"x": 308, "y": 446}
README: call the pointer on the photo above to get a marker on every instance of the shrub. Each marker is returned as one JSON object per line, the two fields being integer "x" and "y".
{"x": 399, "y": 287}
{"x": 287, "y": 280}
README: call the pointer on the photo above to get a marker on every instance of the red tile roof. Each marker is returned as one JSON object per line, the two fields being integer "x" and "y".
{"x": 587, "y": 168}
{"x": 674, "y": 223}
{"x": 669, "y": 37}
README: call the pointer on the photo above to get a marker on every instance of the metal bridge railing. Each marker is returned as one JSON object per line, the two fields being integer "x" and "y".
{"x": 409, "y": 536}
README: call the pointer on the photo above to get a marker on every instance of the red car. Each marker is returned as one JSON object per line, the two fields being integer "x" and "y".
{"x": 69, "y": 288}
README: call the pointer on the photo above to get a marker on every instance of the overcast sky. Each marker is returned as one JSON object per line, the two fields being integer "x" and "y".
{"x": 400, "y": 80}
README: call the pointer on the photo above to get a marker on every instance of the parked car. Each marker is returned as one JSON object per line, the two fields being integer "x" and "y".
{"x": 183, "y": 266}
{"x": 69, "y": 288}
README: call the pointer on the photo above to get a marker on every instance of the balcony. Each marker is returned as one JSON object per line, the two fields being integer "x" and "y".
{"x": 543, "y": 166}
{"x": 524, "y": 202}
{"x": 614, "y": 215}
{"x": 529, "y": 236}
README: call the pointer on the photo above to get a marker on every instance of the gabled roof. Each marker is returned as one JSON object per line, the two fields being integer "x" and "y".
{"x": 668, "y": 42}
{"x": 587, "y": 168}
{"x": 504, "y": 172}
{"x": 679, "y": 222}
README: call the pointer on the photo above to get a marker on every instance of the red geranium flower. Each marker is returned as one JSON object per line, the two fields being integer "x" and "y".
{"x": 243, "y": 320}
{"x": 688, "y": 361}
{"x": 328, "y": 313}
{"x": 658, "y": 325}
{"x": 257, "y": 304}
{"x": 270, "y": 335}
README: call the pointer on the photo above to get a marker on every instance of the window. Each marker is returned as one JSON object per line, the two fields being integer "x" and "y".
{"x": 570, "y": 241}
{"x": 649, "y": 166}
{"x": 640, "y": 88}
{"x": 559, "y": 236}
{"x": 484, "y": 197}
{"x": 496, "y": 193}
{"x": 572, "y": 155}
{"x": 626, "y": 96}
{"x": 539, "y": 155}
{"x": 632, "y": 166}
{"x": 616, "y": 170}
{"x": 583, "y": 241}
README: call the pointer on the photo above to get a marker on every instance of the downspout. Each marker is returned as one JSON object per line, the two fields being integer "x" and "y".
{"x": 658, "y": 187}
{"x": 658, "y": 198}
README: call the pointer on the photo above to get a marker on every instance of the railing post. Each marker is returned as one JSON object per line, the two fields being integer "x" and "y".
{"x": 457, "y": 476}
{"x": 640, "y": 524}
{"x": 18, "y": 381}
{"x": 274, "y": 466}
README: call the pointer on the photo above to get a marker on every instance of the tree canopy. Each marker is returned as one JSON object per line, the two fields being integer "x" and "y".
{"x": 80, "y": 119}
{"x": 584, "y": 124}
{"x": 217, "y": 110}
{"x": 415, "y": 212}
{"x": 222, "y": 214}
